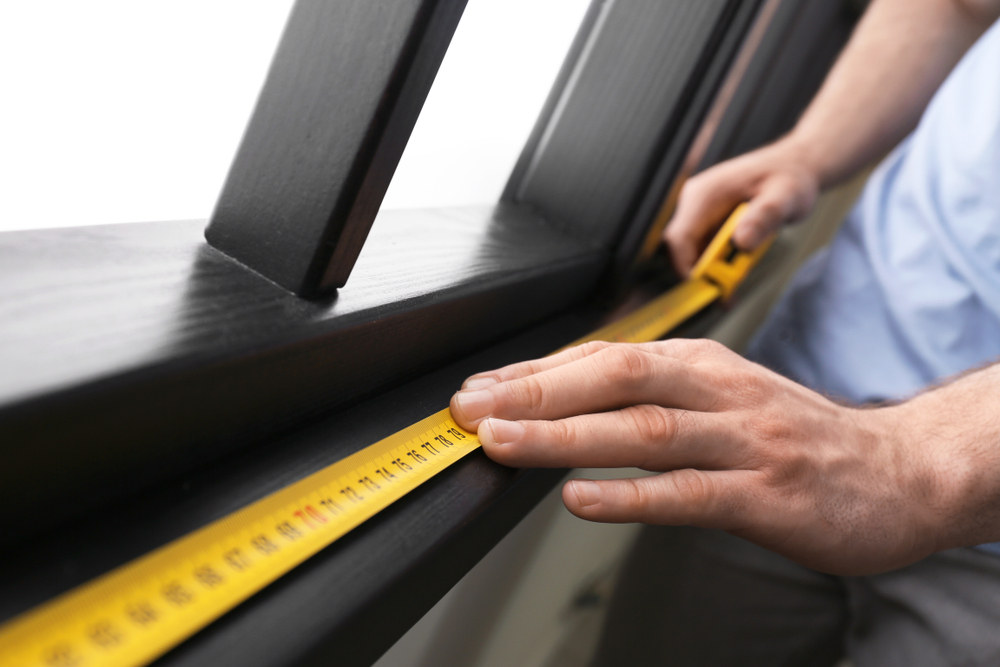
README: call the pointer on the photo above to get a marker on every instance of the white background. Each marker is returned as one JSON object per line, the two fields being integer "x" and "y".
{"x": 118, "y": 111}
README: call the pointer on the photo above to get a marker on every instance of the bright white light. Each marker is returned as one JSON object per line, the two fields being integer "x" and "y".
{"x": 118, "y": 111}
{"x": 493, "y": 81}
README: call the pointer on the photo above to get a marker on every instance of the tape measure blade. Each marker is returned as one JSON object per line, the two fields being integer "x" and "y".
{"x": 658, "y": 317}
{"x": 139, "y": 611}
{"x": 234, "y": 550}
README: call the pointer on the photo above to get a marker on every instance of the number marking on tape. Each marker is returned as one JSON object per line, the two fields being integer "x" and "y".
{"x": 140, "y": 610}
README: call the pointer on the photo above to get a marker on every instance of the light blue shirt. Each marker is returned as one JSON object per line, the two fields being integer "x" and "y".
{"x": 909, "y": 291}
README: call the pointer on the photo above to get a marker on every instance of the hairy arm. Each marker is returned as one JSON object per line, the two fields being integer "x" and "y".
{"x": 874, "y": 96}
{"x": 900, "y": 53}
{"x": 739, "y": 448}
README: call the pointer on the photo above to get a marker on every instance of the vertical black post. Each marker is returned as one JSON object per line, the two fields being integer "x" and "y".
{"x": 336, "y": 110}
{"x": 626, "y": 107}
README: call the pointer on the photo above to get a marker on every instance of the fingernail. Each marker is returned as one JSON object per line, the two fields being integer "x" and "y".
{"x": 478, "y": 383}
{"x": 475, "y": 404}
{"x": 500, "y": 431}
{"x": 587, "y": 492}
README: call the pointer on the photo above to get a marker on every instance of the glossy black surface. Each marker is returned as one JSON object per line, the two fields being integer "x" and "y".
{"x": 616, "y": 108}
{"x": 791, "y": 62}
{"x": 133, "y": 352}
{"x": 340, "y": 100}
{"x": 149, "y": 384}
{"x": 349, "y": 603}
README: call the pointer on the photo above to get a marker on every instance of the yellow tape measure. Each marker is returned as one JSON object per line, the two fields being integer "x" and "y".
{"x": 139, "y": 611}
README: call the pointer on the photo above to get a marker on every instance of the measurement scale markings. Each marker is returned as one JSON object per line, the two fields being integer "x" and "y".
{"x": 140, "y": 610}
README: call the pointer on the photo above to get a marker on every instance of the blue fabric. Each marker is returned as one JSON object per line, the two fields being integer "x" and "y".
{"x": 909, "y": 291}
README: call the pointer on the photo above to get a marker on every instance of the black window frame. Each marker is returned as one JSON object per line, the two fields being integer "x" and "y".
{"x": 251, "y": 392}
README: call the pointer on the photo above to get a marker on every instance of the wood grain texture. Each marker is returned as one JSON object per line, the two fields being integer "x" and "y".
{"x": 338, "y": 105}
{"x": 133, "y": 352}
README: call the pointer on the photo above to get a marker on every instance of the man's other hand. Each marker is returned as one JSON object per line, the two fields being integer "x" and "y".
{"x": 777, "y": 181}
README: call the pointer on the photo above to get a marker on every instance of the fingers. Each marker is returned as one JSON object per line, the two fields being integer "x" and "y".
{"x": 775, "y": 180}
{"x": 645, "y": 436}
{"x": 781, "y": 199}
{"x": 704, "y": 203}
{"x": 712, "y": 499}
{"x": 613, "y": 377}
{"x": 691, "y": 349}
{"x": 525, "y": 368}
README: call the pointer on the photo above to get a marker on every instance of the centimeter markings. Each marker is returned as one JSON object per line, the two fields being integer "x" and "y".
{"x": 139, "y": 611}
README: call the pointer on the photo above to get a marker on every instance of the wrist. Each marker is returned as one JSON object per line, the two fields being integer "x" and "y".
{"x": 953, "y": 484}
{"x": 798, "y": 150}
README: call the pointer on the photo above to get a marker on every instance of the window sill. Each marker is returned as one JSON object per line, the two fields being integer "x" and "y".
{"x": 136, "y": 352}
{"x": 350, "y": 602}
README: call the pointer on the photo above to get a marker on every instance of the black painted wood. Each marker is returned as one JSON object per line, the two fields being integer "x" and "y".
{"x": 352, "y": 601}
{"x": 788, "y": 68}
{"x": 800, "y": 41}
{"x": 639, "y": 65}
{"x": 338, "y": 105}
{"x": 675, "y": 146}
{"x": 134, "y": 352}
{"x": 152, "y": 384}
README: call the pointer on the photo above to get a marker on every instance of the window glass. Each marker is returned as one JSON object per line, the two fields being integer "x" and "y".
{"x": 492, "y": 83}
{"x": 121, "y": 111}
{"x": 118, "y": 111}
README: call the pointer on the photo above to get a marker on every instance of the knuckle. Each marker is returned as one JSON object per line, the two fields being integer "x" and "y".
{"x": 650, "y": 424}
{"x": 527, "y": 394}
{"x": 771, "y": 427}
{"x": 776, "y": 450}
{"x": 518, "y": 370}
{"x": 786, "y": 468}
{"x": 653, "y": 428}
{"x": 694, "y": 486}
{"x": 746, "y": 389}
{"x": 715, "y": 182}
{"x": 625, "y": 364}
{"x": 695, "y": 188}
{"x": 769, "y": 212}
{"x": 675, "y": 235}
{"x": 696, "y": 348}
{"x": 562, "y": 432}
{"x": 711, "y": 503}
{"x": 637, "y": 497}
{"x": 593, "y": 347}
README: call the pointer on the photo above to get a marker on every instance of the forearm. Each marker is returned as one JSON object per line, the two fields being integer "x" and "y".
{"x": 900, "y": 53}
{"x": 956, "y": 428}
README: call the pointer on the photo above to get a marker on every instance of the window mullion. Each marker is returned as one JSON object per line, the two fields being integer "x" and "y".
{"x": 339, "y": 102}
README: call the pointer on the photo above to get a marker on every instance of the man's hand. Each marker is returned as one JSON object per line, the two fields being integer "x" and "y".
{"x": 738, "y": 448}
{"x": 779, "y": 183}
{"x": 873, "y": 97}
